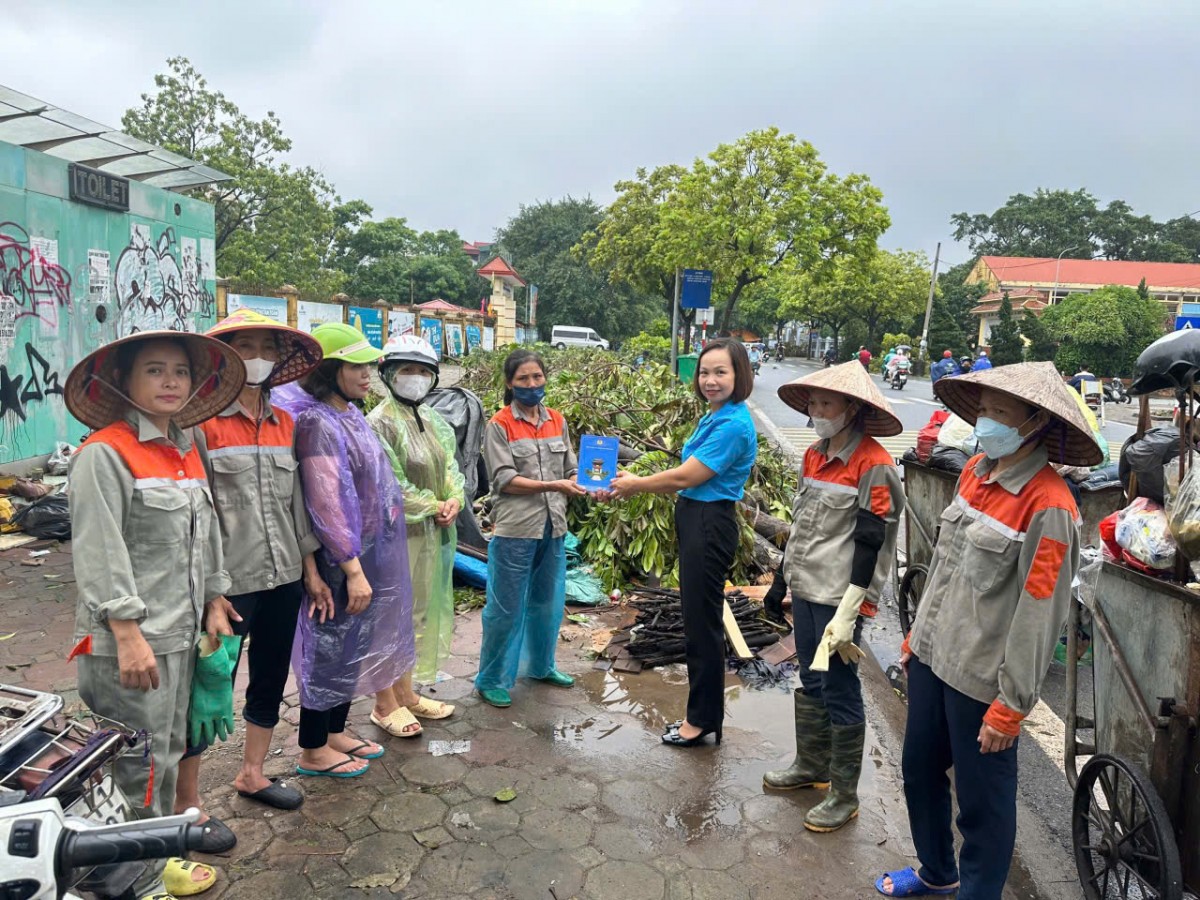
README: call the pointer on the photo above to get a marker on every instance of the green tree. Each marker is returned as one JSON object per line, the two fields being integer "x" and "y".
{"x": 888, "y": 289}
{"x": 538, "y": 242}
{"x": 387, "y": 259}
{"x": 275, "y": 222}
{"x": 1006, "y": 344}
{"x": 945, "y": 333}
{"x": 762, "y": 203}
{"x": 1040, "y": 346}
{"x": 1104, "y": 330}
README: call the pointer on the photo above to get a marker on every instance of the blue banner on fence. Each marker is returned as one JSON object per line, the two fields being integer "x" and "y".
{"x": 370, "y": 322}
{"x": 695, "y": 289}
{"x": 431, "y": 330}
{"x": 474, "y": 336}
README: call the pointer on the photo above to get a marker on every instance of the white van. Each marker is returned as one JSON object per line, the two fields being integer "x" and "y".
{"x": 563, "y": 336}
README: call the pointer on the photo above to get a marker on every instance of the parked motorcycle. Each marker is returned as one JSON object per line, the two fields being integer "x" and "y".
{"x": 57, "y": 771}
{"x": 1115, "y": 392}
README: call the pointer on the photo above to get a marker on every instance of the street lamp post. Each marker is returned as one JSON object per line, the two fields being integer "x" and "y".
{"x": 1056, "y": 267}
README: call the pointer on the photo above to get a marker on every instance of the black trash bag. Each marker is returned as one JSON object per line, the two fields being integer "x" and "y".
{"x": 1104, "y": 477}
{"x": 1145, "y": 457}
{"x": 49, "y": 518}
{"x": 948, "y": 459}
{"x": 463, "y": 412}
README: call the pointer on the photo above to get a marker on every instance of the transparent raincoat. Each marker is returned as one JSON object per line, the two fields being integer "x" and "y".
{"x": 421, "y": 445}
{"x": 357, "y": 510}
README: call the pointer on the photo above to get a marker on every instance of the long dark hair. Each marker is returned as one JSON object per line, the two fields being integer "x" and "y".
{"x": 321, "y": 382}
{"x": 514, "y": 361}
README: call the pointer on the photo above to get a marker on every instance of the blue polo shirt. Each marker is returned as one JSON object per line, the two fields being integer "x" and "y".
{"x": 727, "y": 443}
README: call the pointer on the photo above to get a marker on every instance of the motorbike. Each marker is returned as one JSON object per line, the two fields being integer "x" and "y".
{"x": 60, "y": 802}
{"x": 1115, "y": 392}
{"x": 779, "y": 353}
{"x": 756, "y": 364}
{"x": 899, "y": 379}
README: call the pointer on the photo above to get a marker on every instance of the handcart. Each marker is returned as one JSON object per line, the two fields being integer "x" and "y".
{"x": 1135, "y": 820}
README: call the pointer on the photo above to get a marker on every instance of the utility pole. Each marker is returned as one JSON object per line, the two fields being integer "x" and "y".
{"x": 675, "y": 327}
{"x": 924, "y": 349}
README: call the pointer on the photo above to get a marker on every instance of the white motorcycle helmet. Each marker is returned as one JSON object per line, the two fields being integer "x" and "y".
{"x": 408, "y": 349}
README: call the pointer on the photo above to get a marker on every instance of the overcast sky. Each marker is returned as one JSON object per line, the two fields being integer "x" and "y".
{"x": 454, "y": 114}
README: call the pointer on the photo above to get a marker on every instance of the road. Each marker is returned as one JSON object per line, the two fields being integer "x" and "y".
{"x": 1044, "y": 797}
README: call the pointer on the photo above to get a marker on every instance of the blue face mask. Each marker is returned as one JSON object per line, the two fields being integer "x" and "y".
{"x": 529, "y": 397}
{"x": 995, "y": 439}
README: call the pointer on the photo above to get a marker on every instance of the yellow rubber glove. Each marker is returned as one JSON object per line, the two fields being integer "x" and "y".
{"x": 839, "y": 633}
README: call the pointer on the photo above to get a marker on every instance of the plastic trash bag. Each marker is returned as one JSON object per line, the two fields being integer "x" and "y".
{"x": 583, "y": 587}
{"x": 1183, "y": 513}
{"x": 958, "y": 434}
{"x": 48, "y": 518}
{"x": 463, "y": 412}
{"x": 60, "y": 458}
{"x": 1142, "y": 532}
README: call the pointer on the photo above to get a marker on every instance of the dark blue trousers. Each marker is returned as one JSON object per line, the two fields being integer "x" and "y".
{"x": 839, "y": 688}
{"x": 943, "y": 727}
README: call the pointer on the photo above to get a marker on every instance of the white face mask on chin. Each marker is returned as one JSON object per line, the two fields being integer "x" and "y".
{"x": 412, "y": 387}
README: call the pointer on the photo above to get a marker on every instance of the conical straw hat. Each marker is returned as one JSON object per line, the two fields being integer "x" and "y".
{"x": 299, "y": 353}
{"x": 1069, "y": 441}
{"x": 92, "y": 396}
{"x": 851, "y": 379}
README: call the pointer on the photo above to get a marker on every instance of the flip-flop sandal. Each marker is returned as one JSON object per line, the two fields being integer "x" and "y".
{"x": 907, "y": 883}
{"x": 278, "y": 794}
{"x": 426, "y": 708}
{"x": 353, "y": 751}
{"x": 395, "y": 723}
{"x": 331, "y": 772}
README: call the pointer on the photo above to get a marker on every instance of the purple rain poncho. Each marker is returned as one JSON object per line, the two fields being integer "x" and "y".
{"x": 357, "y": 510}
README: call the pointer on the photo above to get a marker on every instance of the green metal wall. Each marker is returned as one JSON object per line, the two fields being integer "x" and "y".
{"x": 73, "y": 277}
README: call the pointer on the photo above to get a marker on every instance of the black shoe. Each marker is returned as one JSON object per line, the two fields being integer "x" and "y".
{"x": 675, "y": 739}
{"x": 218, "y": 837}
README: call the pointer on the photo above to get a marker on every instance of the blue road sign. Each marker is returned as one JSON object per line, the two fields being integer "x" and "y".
{"x": 1185, "y": 322}
{"x": 695, "y": 290}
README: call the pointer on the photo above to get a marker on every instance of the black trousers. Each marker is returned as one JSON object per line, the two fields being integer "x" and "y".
{"x": 269, "y": 623}
{"x": 317, "y": 724}
{"x": 708, "y": 539}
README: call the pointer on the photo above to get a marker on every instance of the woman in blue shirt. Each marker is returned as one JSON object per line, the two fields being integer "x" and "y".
{"x": 717, "y": 459}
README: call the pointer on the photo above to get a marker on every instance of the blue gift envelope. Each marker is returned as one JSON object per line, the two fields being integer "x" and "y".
{"x": 597, "y": 462}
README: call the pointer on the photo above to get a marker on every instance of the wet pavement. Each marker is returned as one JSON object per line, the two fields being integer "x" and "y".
{"x": 602, "y": 809}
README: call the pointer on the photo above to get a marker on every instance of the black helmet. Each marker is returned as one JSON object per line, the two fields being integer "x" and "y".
{"x": 1170, "y": 363}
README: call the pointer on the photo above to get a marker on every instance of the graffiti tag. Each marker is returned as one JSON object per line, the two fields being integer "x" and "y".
{"x": 153, "y": 291}
{"x": 37, "y": 382}
{"x": 31, "y": 285}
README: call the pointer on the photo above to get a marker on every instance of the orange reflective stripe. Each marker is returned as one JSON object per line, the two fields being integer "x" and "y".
{"x": 1005, "y": 720}
{"x": 1047, "y": 563}
{"x": 152, "y": 459}
{"x": 241, "y": 431}
{"x": 881, "y": 500}
{"x": 518, "y": 429}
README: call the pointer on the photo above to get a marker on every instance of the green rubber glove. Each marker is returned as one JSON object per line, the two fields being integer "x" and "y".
{"x": 210, "y": 715}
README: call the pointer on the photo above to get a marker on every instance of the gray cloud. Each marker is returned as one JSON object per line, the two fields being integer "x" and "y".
{"x": 454, "y": 114}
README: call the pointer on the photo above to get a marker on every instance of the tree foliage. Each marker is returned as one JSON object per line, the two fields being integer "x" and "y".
{"x": 275, "y": 222}
{"x": 1104, "y": 330}
{"x": 1072, "y": 223}
{"x": 1006, "y": 344}
{"x": 762, "y": 203}
{"x": 1040, "y": 345}
{"x": 539, "y": 243}
{"x": 389, "y": 260}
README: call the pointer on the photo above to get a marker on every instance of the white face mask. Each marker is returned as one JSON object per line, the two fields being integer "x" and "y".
{"x": 827, "y": 428}
{"x": 258, "y": 370}
{"x": 412, "y": 387}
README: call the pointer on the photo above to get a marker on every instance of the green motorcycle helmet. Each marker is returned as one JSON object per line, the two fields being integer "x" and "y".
{"x": 345, "y": 343}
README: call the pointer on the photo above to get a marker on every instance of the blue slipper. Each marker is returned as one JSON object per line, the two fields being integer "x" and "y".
{"x": 906, "y": 883}
{"x": 330, "y": 773}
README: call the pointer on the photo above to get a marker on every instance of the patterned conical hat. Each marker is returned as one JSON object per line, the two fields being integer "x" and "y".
{"x": 1069, "y": 441}
{"x": 299, "y": 353}
{"x": 852, "y": 380}
{"x": 92, "y": 396}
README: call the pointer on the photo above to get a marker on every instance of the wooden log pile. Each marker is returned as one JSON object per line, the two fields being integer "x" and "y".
{"x": 655, "y": 637}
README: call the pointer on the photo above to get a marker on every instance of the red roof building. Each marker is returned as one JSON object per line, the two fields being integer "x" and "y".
{"x": 1035, "y": 283}
{"x": 476, "y": 249}
{"x": 440, "y": 305}
{"x": 500, "y": 269}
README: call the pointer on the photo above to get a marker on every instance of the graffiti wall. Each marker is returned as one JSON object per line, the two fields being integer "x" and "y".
{"x": 73, "y": 277}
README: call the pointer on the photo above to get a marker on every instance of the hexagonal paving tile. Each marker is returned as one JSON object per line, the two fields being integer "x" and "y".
{"x": 489, "y": 820}
{"x": 707, "y": 886}
{"x": 430, "y": 771}
{"x": 339, "y": 808}
{"x": 308, "y": 840}
{"x": 555, "y": 829}
{"x": 624, "y": 881}
{"x": 385, "y": 851}
{"x": 410, "y": 811}
{"x": 620, "y": 841}
{"x": 532, "y": 874}
{"x": 462, "y": 868}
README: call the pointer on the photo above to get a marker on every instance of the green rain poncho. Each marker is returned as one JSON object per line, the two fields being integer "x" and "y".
{"x": 422, "y": 456}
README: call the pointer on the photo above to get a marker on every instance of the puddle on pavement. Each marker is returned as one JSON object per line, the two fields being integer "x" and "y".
{"x": 632, "y": 711}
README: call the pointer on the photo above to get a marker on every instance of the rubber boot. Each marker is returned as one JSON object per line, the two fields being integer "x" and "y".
{"x": 842, "y": 803}
{"x": 810, "y": 768}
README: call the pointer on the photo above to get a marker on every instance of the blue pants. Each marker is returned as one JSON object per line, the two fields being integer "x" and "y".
{"x": 526, "y": 593}
{"x": 838, "y": 689}
{"x": 943, "y": 725}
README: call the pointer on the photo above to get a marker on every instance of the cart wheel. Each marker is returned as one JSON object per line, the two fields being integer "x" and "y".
{"x": 1124, "y": 845}
{"x": 909, "y": 595}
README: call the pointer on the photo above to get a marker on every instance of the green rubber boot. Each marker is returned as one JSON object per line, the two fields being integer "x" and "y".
{"x": 842, "y": 803}
{"x": 810, "y": 769}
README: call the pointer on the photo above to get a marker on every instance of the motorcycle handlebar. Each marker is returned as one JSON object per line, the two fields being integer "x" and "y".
{"x": 79, "y": 849}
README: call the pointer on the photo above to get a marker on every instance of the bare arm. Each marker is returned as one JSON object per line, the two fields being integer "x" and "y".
{"x": 689, "y": 474}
